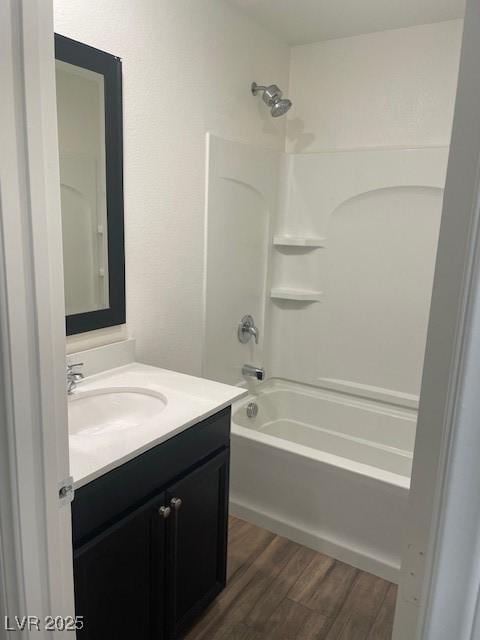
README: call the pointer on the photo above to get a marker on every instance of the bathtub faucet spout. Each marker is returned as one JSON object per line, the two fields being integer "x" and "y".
{"x": 253, "y": 372}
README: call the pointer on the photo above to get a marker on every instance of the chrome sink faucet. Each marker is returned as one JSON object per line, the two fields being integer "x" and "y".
{"x": 73, "y": 377}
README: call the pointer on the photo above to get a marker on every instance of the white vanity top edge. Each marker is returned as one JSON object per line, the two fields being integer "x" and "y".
{"x": 94, "y": 452}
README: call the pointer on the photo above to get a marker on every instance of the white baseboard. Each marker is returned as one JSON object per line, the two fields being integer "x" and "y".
{"x": 359, "y": 560}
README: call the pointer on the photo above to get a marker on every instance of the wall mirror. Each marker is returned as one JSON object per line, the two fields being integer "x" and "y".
{"x": 89, "y": 111}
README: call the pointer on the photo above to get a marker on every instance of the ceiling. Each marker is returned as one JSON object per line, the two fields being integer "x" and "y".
{"x": 304, "y": 21}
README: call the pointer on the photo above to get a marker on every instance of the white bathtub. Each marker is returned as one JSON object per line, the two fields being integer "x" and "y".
{"x": 325, "y": 469}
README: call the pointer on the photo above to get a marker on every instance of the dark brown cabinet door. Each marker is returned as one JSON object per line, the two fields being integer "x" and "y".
{"x": 119, "y": 578}
{"x": 196, "y": 542}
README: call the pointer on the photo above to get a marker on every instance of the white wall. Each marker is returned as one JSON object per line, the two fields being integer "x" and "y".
{"x": 386, "y": 89}
{"x": 187, "y": 67}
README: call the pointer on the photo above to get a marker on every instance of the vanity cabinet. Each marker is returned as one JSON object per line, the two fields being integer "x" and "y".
{"x": 196, "y": 542}
{"x": 114, "y": 574}
{"x": 150, "y": 537}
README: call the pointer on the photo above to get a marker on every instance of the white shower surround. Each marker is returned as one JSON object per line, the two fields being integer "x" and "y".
{"x": 368, "y": 334}
{"x": 379, "y": 214}
{"x": 325, "y": 470}
{"x": 332, "y": 469}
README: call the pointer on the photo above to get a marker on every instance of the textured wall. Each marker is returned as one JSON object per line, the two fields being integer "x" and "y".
{"x": 187, "y": 67}
{"x": 387, "y": 89}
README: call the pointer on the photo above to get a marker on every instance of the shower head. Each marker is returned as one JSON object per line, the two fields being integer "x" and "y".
{"x": 272, "y": 96}
{"x": 281, "y": 107}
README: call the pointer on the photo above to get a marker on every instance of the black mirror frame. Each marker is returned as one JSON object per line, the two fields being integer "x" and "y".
{"x": 82, "y": 55}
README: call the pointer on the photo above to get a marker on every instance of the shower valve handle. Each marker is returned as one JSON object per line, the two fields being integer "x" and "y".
{"x": 247, "y": 329}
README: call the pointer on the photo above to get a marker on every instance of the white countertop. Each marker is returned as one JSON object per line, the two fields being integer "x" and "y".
{"x": 190, "y": 400}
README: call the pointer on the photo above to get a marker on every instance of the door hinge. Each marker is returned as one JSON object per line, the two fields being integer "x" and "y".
{"x": 66, "y": 491}
{"x": 413, "y": 567}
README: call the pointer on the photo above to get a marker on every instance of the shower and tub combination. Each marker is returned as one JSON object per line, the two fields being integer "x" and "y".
{"x": 313, "y": 304}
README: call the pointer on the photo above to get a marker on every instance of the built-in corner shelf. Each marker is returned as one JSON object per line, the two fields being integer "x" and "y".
{"x": 311, "y": 242}
{"x": 299, "y": 295}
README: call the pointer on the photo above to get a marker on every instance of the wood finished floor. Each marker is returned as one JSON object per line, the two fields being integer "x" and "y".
{"x": 279, "y": 590}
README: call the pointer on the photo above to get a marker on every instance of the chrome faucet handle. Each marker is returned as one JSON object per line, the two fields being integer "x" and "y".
{"x": 247, "y": 329}
{"x": 71, "y": 366}
{"x": 73, "y": 376}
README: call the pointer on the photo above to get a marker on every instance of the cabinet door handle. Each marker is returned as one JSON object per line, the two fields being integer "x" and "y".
{"x": 176, "y": 503}
{"x": 164, "y": 512}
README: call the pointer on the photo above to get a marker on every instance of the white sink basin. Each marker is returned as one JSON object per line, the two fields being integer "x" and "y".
{"x": 108, "y": 410}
